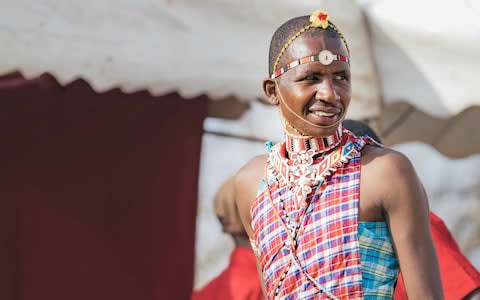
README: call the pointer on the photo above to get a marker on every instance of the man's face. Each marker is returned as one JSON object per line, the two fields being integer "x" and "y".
{"x": 318, "y": 93}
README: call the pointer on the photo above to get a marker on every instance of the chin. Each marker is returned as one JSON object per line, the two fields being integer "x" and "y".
{"x": 333, "y": 123}
{"x": 320, "y": 132}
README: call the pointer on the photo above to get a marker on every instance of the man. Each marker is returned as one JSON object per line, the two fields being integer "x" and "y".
{"x": 314, "y": 236}
{"x": 239, "y": 281}
{"x": 460, "y": 279}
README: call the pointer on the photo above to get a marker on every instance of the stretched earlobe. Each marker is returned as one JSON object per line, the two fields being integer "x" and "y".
{"x": 270, "y": 89}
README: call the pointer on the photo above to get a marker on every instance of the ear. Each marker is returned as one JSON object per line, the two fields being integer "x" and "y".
{"x": 270, "y": 89}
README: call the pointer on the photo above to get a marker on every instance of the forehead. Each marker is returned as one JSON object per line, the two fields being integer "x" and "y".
{"x": 312, "y": 45}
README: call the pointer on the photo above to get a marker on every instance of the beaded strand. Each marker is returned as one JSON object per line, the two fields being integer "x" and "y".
{"x": 340, "y": 34}
{"x": 288, "y": 43}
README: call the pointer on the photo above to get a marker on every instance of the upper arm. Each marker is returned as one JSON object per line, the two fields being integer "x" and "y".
{"x": 246, "y": 183}
{"x": 406, "y": 207}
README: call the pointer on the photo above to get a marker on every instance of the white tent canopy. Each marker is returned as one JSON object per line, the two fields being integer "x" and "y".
{"x": 428, "y": 52}
{"x": 218, "y": 48}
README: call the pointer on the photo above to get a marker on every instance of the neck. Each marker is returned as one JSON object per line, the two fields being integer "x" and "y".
{"x": 298, "y": 144}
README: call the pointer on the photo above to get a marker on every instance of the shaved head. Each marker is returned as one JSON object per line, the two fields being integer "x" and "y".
{"x": 287, "y": 30}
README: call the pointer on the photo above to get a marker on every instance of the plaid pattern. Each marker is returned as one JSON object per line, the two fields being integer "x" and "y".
{"x": 326, "y": 248}
{"x": 379, "y": 262}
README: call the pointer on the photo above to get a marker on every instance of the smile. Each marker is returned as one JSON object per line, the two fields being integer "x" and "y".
{"x": 323, "y": 113}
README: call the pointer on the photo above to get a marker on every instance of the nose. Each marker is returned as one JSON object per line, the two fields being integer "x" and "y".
{"x": 326, "y": 91}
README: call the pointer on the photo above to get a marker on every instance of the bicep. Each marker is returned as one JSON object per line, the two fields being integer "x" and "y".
{"x": 246, "y": 184}
{"x": 406, "y": 205}
{"x": 243, "y": 200}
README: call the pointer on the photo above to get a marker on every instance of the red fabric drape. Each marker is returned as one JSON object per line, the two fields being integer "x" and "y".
{"x": 98, "y": 192}
{"x": 239, "y": 281}
{"x": 459, "y": 277}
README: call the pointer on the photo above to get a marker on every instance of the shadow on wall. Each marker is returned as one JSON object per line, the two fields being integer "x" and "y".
{"x": 455, "y": 137}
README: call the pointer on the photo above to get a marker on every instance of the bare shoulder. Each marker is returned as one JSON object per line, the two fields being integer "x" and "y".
{"x": 385, "y": 160}
{"x": 391, "y": 174}
{"x": 251, "y": 171}
{"x": 246, "y": 183}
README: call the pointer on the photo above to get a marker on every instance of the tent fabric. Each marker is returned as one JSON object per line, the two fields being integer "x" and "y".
{"x": 427, "y": 52}
{"x": 98, "y": 192}
{"x": 218, "y": 48}
{"x": 455, "y": 137}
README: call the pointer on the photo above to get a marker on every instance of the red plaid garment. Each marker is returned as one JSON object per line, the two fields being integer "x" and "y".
{"x": 325, "y": 248}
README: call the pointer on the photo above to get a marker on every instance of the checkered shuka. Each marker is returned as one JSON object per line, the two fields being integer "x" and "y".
{"x": 312, "y": 252}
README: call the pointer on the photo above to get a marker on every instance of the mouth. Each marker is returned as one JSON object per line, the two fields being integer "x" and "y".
{"x": 324, "y": 116}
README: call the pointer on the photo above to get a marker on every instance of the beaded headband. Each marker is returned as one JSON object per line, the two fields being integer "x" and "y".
{"x": 326, "y": 57}
{"x": 318, "y": 19}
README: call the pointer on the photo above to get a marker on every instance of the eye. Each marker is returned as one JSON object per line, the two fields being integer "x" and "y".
{"x": 311, "y": 77}
{"x": 341, "y": 77}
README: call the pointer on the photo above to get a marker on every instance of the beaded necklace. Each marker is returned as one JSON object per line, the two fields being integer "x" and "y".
{"x": 302, "y": 170}
{"x": 302, "y": 149}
